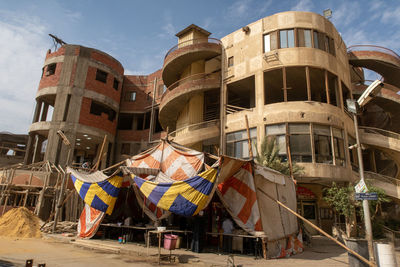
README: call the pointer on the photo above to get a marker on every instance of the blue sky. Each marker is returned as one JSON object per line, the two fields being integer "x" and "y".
{"x": 139, "y": 33}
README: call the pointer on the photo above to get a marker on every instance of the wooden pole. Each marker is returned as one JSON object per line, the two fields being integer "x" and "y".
{"x": 41, "y": 195}
{"x": 288, "y": 152}
{"x": 319, "y": 229}
{"x": 248, "y": 137}
{"x": 100, "y": 155}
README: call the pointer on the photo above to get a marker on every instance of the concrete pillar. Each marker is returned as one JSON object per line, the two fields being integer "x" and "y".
{"x": 44, "y": 112}
{"x": 29, "y": 149}
{"x": 37, "y": 111}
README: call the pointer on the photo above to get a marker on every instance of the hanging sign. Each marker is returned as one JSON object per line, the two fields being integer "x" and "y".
{"x": 361, "y": 187}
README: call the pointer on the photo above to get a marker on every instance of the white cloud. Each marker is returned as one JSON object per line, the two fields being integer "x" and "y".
{"x": 23, "y": 45}
{"x": 168, "y": 28}
{"x": 239, "y": 9}
{"x": 391, "y": 15}
{"x": 346, "y": 13}
{"x": 303, "y": 5}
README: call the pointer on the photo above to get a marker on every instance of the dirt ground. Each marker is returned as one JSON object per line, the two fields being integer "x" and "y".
{"x": 60, "y": 251}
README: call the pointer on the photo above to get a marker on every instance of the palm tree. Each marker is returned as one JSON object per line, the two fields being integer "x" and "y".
{"x": 269, "y": 157}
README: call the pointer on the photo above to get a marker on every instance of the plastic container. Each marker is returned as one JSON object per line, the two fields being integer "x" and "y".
{"x": 170, "y": 241}
{"x": 386, "y": 256}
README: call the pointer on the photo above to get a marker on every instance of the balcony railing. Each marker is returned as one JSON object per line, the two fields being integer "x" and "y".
{"x": 194, "y": 77}
{"x": 386, "y": 133}
{"x": 372, "y": 48}
{"x": 191, "y": 42}
{"x": 382, "y": 178}
{"x": 193, "y": 127}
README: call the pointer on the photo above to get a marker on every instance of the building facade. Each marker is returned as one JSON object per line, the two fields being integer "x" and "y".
{"x": 288, "y": 74}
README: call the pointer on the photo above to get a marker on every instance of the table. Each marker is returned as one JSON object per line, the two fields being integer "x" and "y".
{"x": 239, "y": 235}
{"x": 159, "y": 235}
{"x": 122, "y": 227}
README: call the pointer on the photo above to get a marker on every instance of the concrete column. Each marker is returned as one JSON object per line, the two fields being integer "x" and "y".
{"x": 29, "y": 149}
{"x": 37, "y": 111}
{"x": 259, "y": 94}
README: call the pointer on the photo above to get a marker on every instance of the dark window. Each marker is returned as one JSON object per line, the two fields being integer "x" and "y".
{"x": 125, "y": 121}
{"x": 97, "y": 108}
{"x": 51, "y": 69}
{"x": 338, "y": 146}
{"x": 317, "y": 84}
{"x": 296, "y": 84}
{"x": 157, "y": 127}
{"x": 147, "y": 119}
{"x": 353, "y": 153}
{"x": 116, "y": 84}
{"x": 322, "y": 144}
{"x": 334, "y": 95}
{"x": 241, "y": 94}
{"x": 273, "y": 86}
{"x": 230, "y": 61}
{"x": 300, "y": 142}
{"x": 101, "y": 76}
{"x": 332, "y": 46}
{"x": 277, "y": 133}
{"x": 131, "y": 96}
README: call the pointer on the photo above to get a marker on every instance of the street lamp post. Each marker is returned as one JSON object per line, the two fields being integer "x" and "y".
{"x": 354, "y": 107}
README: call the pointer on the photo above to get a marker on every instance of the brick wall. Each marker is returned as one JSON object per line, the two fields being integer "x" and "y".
{"x": 100, "y": 87}
{"x": 59, "y": 52}
{"x": 51, "y": 80}
{"x": 99, "y": 122}
{"x": 109, "y": 61}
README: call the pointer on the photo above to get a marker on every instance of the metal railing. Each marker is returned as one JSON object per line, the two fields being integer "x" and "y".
{"x": 193, "y": 127}
{"x": 386, "y": 133}
{"x": 383, "y": 178}
{"x": 233, "y": 109}
{"x": 372, "y": 48}
{"x": 192, "y": 42}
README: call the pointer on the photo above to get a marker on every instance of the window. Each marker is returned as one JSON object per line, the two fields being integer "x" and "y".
{"x": 230, "y": 62}
{"x": 237, "y": 144}
{"x": 273, "y": 85}
{"x": 97, "y": 108}
{"x": 270, "y": 41}
{"x": 338, "y": 146}
{"x": 51, "y": 69}
{"x": 304, "y": 38}
{"x": 286, "y": 38}
{"x": 101, "y": 76}
{"x": 322, "y": 144}
{"x": 277, "y": 132}
{"x": 116, "y": 84}
{"x": 296, "y": 84}
{"x": 131, "y": 96}
{"x": 316, "y": 43}
{"x": 353, "y": 153}
{"x": 300, "y": 142}
{"x": 317, "y": 84}
{"x": 334, "y": 95}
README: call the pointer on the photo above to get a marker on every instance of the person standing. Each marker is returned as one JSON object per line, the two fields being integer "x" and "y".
{"x": 227, "y": 226}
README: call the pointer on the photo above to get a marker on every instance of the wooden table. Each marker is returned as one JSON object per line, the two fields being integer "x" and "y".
{"x": 122, "y": 227}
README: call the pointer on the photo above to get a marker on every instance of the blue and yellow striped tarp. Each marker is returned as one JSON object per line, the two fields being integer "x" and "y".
{"x": 186, "y": 197}
{"x": 101, "y": 195}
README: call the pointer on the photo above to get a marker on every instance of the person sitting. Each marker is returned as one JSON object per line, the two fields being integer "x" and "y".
{"x": 227, "y": 226}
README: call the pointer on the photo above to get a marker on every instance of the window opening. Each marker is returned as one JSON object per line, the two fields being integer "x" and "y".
{"x": 211, "y": 105}
{"x": 353, "y": 153}
{"x": 51, "y": 69}
{"x": 322, "y": 144}
{"x": 300, "y": 142}
{"x": 317, "y": 84}
{"x": 277, "y": 132}
{"x": 338, "y": 145}
{"x": 304, "y": 38}
{"x": 116, "y": 84}
{"x": 296, "y": 84}
{"x": 230, "y": 62}
{"x": 97, "y": 108}
{"x": 242, "y": 93}
{"x": 125, "y": 121}
{"x": 101, "y": 76}
{"x": 131, "y": 96}
{"x": 237, "y": 144}
{"x": 273, "y": 86}
{"x": 334, "y": 96}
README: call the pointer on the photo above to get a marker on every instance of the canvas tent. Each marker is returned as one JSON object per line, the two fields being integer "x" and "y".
{"x": 171, "y": 177}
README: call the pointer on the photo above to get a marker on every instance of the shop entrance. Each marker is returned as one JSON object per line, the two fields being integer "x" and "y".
{"x": 308, "y": 209}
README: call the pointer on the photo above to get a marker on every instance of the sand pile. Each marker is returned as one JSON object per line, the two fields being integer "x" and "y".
{"x": 20, "y": 222}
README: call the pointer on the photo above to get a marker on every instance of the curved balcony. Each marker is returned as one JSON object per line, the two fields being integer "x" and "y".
{"x": 196, "y": 132}
{"x": 184, "y": 53}
{"x": 390, "y": 185}
{"x": 379, "y": 59}
{"x": 380, "y": 138}
{"x": 177, "y": 95}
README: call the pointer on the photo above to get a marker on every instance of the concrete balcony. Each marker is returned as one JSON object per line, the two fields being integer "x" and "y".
{"x": 196, "y": 132}
{"x": 184, "y": 53}
{"x": 390, "y": 185}
{"x": 177, "y": 95}
{"x": 380, "y": 138}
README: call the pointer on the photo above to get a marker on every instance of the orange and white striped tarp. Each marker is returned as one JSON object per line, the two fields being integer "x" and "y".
{"x": 238, "y": 194}
{"x": 89, "y": 221}
{"x": 173, "y": 161}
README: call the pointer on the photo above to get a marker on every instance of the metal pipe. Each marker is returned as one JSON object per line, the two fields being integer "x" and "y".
{"x": 367, "y": 215}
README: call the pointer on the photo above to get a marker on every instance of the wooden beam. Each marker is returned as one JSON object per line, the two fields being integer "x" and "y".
{"x": 248, "y": 137}
{"x": 372, "y": 264}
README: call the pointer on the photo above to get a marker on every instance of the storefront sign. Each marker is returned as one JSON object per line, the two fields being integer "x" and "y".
{"x": 367, "y": 196}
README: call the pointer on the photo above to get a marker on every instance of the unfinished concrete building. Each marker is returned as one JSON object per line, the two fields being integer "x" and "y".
{"x": 289, "y": 73}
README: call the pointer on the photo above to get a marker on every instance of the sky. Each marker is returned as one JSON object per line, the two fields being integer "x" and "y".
{"x": 139, "y": 33}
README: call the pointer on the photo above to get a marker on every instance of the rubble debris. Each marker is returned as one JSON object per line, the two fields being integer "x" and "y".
{"x": 62, "y": 227}
{"x": 20, "y": 222}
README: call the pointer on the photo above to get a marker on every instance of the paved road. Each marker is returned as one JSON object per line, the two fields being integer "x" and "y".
{"x": 14, "y": 252}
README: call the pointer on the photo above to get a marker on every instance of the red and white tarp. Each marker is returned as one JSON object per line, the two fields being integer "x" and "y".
{"x": 89, "y": 222}
{"x": 173, "y": 161}
{"x": 238, "y": 194}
